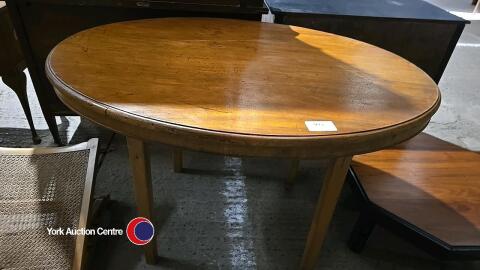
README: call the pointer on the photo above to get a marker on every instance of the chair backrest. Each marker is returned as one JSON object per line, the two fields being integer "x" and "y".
{"x": 43, "y": 188}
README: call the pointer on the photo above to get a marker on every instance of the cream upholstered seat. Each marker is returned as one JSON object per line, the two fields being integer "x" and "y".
{"x": 44, "y": 188}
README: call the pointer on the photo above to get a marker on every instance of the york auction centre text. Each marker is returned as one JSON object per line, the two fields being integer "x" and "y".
{"x": 83, "y": 231}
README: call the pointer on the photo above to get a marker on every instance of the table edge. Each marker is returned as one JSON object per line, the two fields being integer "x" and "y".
{"x": 229, "y": 142}
{"x": 314, "y": 147}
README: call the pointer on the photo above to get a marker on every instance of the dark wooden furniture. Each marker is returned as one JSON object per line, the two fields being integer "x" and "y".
{"x": 426, "y": 190}
{"x": 41, "y": 24}
{"x": 12, "y": 66}
{"x": 226, "y": 91}
{"x": 416, "y": 30}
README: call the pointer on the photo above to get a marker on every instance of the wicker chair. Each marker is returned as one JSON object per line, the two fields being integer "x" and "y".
{"x": 44, "y": 188}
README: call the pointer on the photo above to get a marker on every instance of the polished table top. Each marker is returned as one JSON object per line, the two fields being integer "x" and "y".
{"x": 229, "y": 78}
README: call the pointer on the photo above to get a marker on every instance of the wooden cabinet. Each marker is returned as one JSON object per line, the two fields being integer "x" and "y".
{"x": 10, "y": 54}
{"x": 41, "y": 24}
{"x": 414, "y": 29}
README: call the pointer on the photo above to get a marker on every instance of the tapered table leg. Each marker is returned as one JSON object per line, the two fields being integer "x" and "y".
{"x": 140, "y": 162}
{"x": 177, "y": 160}
{"x": 292, "y": 174}
{"x": 332, "y": 186}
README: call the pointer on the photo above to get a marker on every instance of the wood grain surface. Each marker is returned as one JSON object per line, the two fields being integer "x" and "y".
{"x": 432, "y": 184}
{"x": 240, "y": 83}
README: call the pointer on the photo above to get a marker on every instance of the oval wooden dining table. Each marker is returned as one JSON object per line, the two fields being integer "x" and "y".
{"x": 242, "y": 88}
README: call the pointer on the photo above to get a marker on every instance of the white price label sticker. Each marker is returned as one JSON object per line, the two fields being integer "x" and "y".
{"x": 320, "y": 126}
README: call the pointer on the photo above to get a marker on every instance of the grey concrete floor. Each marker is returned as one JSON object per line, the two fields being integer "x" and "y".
{"x": 233, "y": 213}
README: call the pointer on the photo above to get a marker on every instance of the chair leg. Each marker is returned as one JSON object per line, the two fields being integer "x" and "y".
{"x": 361, "y": 232}
{"x": 17, "y": 81}
{"x": 52, "y": 126}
